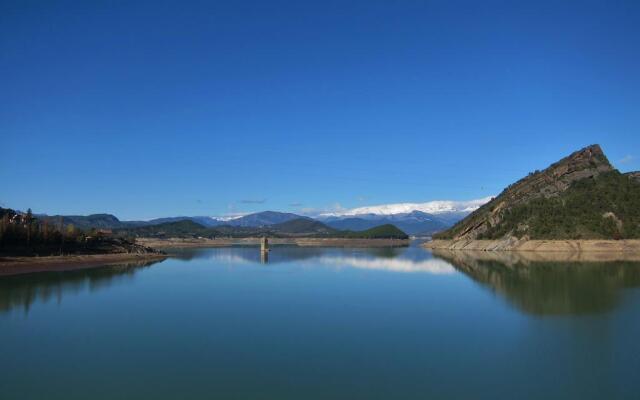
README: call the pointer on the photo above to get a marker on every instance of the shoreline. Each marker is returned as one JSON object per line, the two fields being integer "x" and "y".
{"x": 628, "y": 246}
{"x": 515, "y": 257}
{"x": 23, "y": 265}
{"x": 301, "y": 242}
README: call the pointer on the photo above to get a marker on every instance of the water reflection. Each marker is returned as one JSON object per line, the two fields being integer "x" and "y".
{"x": 550, "y": 287}
{"x": 21, "y": 291}
{"x": 246, "y": 254}
{"x": 412, "y": 259}
{"x": 432, "y": 266}
{"x": 531, "y": 284}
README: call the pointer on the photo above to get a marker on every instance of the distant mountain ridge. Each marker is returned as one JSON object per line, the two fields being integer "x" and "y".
{"x": 419, "y": 219}
{"x": 264, "y": 218}
{"x": 300, "y": 227}
{"x": 413, "y": 223}
{"x": 109, "y": 221}
{"x": 97, "y": 221}
{"x": 202, "y": 220}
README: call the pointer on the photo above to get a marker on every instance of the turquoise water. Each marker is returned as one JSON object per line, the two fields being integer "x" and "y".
{"x": 322, "y": 324}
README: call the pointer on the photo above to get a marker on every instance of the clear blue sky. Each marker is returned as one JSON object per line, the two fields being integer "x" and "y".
{"x": 156, "y": 108}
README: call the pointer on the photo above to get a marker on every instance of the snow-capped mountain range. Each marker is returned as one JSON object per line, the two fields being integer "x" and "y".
{"x": 431, "y": 207}
{"x": 413, "y": 218}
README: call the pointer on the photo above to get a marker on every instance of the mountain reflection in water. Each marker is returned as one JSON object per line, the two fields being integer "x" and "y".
{"x": 411, "y": 259}
{"x": 316, "y": 323}
{"x": 548, "y": 287}
{"x": 535, "y": 287}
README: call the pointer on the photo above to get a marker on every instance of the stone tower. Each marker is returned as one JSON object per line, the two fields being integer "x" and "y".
{"x": 264, "y": 244}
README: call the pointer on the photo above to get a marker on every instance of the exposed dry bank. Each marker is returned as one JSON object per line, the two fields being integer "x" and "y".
{"x": 513, "y": 244}
{"x": 517, "y": 258}
{"x": 16, "y": 265}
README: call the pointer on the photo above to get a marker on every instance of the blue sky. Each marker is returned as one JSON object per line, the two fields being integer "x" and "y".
{"x": 152, "y": 109}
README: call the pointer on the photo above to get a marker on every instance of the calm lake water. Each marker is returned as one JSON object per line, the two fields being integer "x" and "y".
{"x": 323, "y": 324}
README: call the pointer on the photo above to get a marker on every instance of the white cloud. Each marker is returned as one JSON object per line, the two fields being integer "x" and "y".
{"x": 336, "y": 210}
{"x": 230, "y": 216}
{"x": 432, "y": 266}
{"x": 431, "y": 207}
{"x": 626, "y": 159}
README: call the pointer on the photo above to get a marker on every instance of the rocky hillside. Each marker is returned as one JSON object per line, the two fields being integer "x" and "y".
{"x": 580, "y": 197}
{"x": 387, "y": 231}
{"x": 302, "y": 226}
{"x": 634, "y": 176}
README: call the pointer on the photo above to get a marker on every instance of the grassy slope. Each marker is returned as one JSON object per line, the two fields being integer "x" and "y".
{"x": 300, "y": 227}
{"x": 387, "y": 231}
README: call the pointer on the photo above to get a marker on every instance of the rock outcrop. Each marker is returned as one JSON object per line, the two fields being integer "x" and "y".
{"x": 557, "y": 178}
{"x": 635, "y": 175}
{"x": 629, "y": 249}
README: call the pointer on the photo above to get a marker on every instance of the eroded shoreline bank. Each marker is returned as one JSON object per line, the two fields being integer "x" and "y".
{"x": 630, "y": 246}
{"x": 23, "y": 265}
{"x": 515, "y": 257}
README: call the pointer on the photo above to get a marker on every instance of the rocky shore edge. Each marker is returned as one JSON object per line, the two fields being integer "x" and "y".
{"x": 21, "y": 265}
{"x": 514, "y": 244}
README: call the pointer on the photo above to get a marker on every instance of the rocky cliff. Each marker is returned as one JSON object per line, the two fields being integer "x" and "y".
{"x": 550, "y": 183}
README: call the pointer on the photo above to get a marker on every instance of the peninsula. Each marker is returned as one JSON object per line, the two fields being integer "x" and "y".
{"x": 30, "y": 244}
